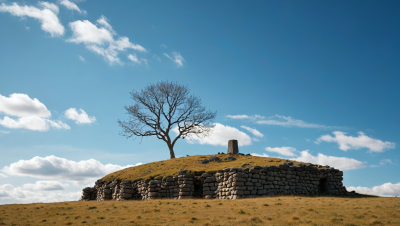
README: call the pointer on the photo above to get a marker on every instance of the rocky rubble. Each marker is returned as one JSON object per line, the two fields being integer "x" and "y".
{"x": 89, "y": 193}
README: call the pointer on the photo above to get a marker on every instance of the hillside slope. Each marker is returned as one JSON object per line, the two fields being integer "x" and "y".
{"x": 171, "y": 167}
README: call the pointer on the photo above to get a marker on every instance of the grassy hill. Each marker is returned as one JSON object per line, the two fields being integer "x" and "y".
{"x": 278, "y": 210}
{"x": 171, "y": 167}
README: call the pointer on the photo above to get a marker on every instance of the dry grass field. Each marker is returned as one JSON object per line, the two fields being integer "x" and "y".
{"x": 171, "y": 167}
{"x": 279, "y": 210}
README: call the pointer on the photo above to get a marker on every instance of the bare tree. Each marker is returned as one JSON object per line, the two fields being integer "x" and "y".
{"x": 163, "y": 107}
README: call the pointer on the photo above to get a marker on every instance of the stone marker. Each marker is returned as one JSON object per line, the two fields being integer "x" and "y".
{"x": 233, "y": 147}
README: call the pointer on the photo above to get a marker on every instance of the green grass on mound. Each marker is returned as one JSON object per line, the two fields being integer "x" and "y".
{"x": 171, "y": 167}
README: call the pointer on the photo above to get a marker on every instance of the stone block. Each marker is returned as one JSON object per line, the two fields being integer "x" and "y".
{"x": 238, "y": 183}
{"x": 208, "y": 192}
{"x": 242, "y": 175}
{"x": 152, "y": 194}
{"x": 209, "y": 179}
{"x": 233, "y": 147}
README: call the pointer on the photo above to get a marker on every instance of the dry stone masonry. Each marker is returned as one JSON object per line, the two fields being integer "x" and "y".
{"x": 229, "y": 183}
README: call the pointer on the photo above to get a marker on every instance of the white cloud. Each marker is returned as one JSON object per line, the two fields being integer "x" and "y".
{"x": 287, "y": 151}
{"x": 88, "y": 33}
{"x": 263, "y": 155}
{"x": 308, "y": 140}
{"x": 101, "y": 40}
{"x": 176, "y": 58}
{"x": 163, "y": 45}
{"x": 51, "y": 6}
{"x": 81, "y": 59}
{"x": 81, "y": 118}
{"x": 341, "y": 163}
{"x": 134, "y": 59}
{"x": 386, "y": 189}
{"x": 253, "y": 131}
{"x": 245, "y": 117}
{"x": 47, "y": 15}
{"x": 10, "y": 194}
{"x": 20, "y": 105}
{"x": 45, "y": 185}
{"x": 5, "y": 132}
{"x": 31, "y": 113}
{"x": 71, "y": 6}
{"x": 104, "y": 22}
{"x": 220, "y": 136}
{"x": 288, "y": 121}
{"x": 280, "y": 120}
{"x": 362, "y": 141}
{"x": 32, "y": 123}
{"x": 55, "y": 168}
{"x": 3, "y": 175}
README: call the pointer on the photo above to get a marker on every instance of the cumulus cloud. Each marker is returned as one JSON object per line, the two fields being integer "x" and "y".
{"x": 20, "y": 105}
{"x": 280, "y": 120}
{"x": 287, "y": 151}
{"x": 253, "y": 131}
{"x": 341, "y": 163}
{"x": 33, "y": 122}
{"x": 81, "y": 118}
{"x": 386, "y": 189}
{"x": 220, "y": 136}
{"x": 362, "y": 141}
{"x": 3, "y": 175}
{"x": 47, "y": 15}
{"x": 31, "y": 114}
{"x": 55, "y": 168}
{"x": 71, "y": 6}
{"x": 46, "y": 186}
{"x": 101, "y": 39}
{"x": 176, "y": 58}
{"x": 10, "y": 194}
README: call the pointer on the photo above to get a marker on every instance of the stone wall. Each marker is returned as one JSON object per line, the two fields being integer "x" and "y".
{"x": 229, "y": 183}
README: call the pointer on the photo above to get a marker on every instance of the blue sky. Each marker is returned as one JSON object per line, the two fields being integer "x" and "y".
{"x": 315, "y": 81}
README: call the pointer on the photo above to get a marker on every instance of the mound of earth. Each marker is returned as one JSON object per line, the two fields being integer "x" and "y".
{"x": 171, "y": 167}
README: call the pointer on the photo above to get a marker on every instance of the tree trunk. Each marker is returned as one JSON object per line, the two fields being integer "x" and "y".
{"x": 171, "y": 151}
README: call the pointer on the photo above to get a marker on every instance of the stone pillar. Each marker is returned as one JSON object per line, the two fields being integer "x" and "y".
{"x": 233, "y": 147}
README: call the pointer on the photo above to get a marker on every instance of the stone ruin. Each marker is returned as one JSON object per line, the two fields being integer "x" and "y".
{"x": 229, "y": 183}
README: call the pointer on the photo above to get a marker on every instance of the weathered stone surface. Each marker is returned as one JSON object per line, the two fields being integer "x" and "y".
{"x": 233, "y": 147}
{"x": 214, "y": 159}
{"x": 230, "y": 159}
{"x": 209, "y": 179}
